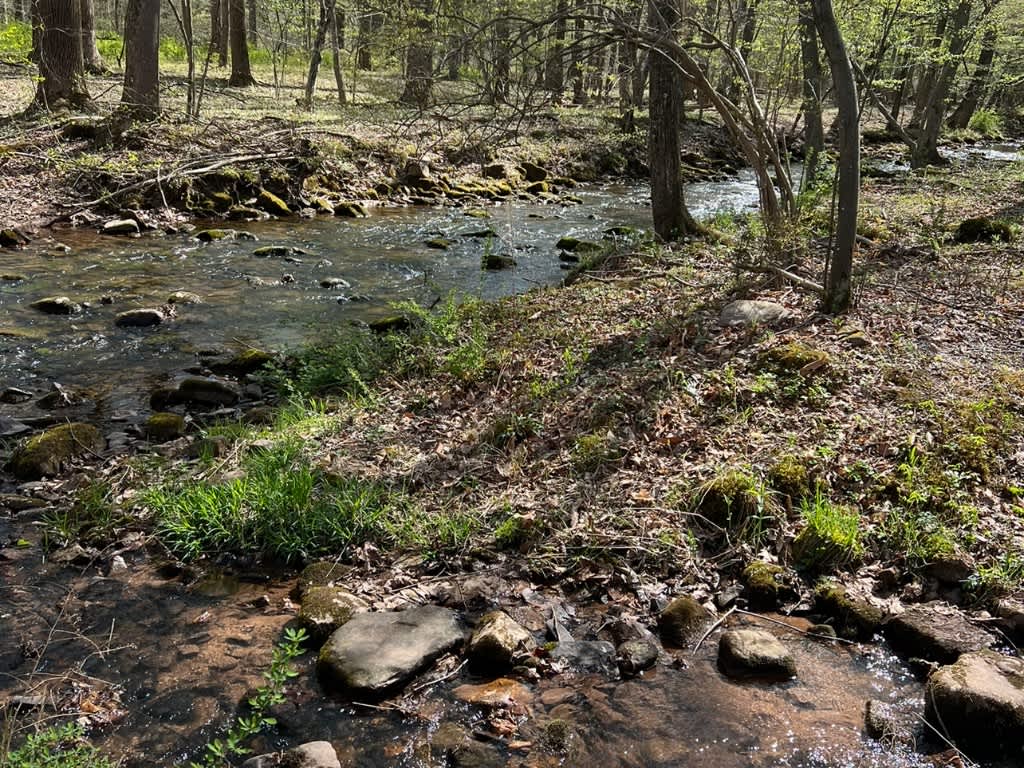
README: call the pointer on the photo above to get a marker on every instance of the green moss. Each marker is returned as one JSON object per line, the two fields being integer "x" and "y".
{"x": 271, "y": 203}
{"x": 350, "y": 210}
{"x": 161, "y": 427}
{"x": 211, "y": 235}
{"x": 439, "y": 243}
{"x": 577, "y": 246}
{"x": 764, "y": 583}
{"x": 855, "y": 618}
{"x": 46, "y": 454}
{"x": 729, "y": 497}
{"x": 592, "y": 451}
{"x": 682, "y": 620}
{"x": 790, "y": 477}
{"x": 797, "y": 357}
{"x": 983, "y": 230}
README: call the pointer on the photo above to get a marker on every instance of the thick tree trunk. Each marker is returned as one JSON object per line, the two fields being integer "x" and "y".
{"x": 90, "y": 53}
{"x": 241, "y": 72}
{"x": 671, "y": 218}
{"x": 961, "y": 117}
{"x": 554, "y": 63}
{"x": 838, "y": 285}
{"x": 502, "y": 74}
{"x": 926, "y": 151}
{"x": 58, "y": 25}
{"x": 315, "y": 56}
{"x": 364, "y": 56}
{"x": 814, "y": 129}
{"x": 419, "y": 57}
{"x": 141, "y": 94}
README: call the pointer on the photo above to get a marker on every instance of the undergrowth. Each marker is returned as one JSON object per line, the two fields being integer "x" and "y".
{"x": 60, "y": 746}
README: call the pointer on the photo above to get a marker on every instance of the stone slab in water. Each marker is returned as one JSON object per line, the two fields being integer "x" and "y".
{"x": 754, "y": 653}
{"x": 375, "y": 653}
{"x": 314, "y": 754}
{"x": 139, "y": 318}
{"x": 585, "y": 656}
{"x": 979, "y": 700}
{"x": 935, "y": 635}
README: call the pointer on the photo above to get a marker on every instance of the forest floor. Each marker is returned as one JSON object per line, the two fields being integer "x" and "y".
{"x": 610, "y": 438}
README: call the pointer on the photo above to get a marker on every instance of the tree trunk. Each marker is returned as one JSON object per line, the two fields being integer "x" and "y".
{"x": 253, "y": 29}
{"x": 578, "y": 64}
{"x": 419, "y": 57}
{"x": 810, "y": 60}
{"x": 141, "y": 94}
{"x": 926, "y": 151}
{"x": 364, "y": 57}
{"x": 315, "y": 56}
{"x": 838, "y": 285}
{"x": 961, "y": 117}
{"x": 337, "y": 43}
{"x": 502, "y": 74}
{"x": 90, "y": 53}
{"x": 671, "y": 218}
{"x": 241, "y": 73}
{"x": 224, "y": 19}
{"x": 554, "y": 64}
{"x": 58, "y": 24}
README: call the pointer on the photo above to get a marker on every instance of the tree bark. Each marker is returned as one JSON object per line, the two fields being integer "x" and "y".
{"x": 502, "y": 74}
{"x": 419, "y": 56}
{"x": 961, "y": 117}
{"x": 554, "y": 63}
{"x": 364, "y": 56}
{"x": 58, "y": 25}
{"x": 337, "y": 43}
{"x": 810, "y": 61}
{"x": 838, "y": 285}
{"x": 671, "y": 218}
{"x": 224, "y": 20}
{"x": 241, "y": 72}
{"x": 141, "y": 94}
{"x": 578, "y": 63}
{"x": 315, "y": 56}
{"x": 90, "y": 53}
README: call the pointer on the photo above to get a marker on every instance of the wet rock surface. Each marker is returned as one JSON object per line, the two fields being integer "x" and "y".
{"x": 682, "y": 621}
{"x": 497, "y": 641}
{"x": 939, "y": 634}
{"x": 753, "y": 312}
{"x": 753, "y": 653}
{"x": 324, "y": 609}
{"x": 375, "y": 653}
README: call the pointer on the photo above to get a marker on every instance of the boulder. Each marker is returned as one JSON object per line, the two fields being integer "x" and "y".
{"x": 928, "y": 633}
{"x": 576, "y": 246}
{"x": 313, "y": 754}
{"x": 245, "y": 362}
{"x": 12, "y": 427}
{"x": 634, "y": 656}
{"x": 766, "y": 585}
{"x": 335, "y": 283}
{"x": 273, "y": 204}
{"x": 1011, "y": 612}
{"x": 13, "y": 395}
{"x": 202, "y": 391}
{"x": 497, "y": 642}
{"x": 754, "y": 653}
{"x": 350, "y": 210}
{"x": 323, "y": 573}
{"x": 855, "y": 618}
{"x": 983, "y": 230}
{"x": 163, "y": 427}
{"x": 587, "y": 656}
{"x": 376, "y": 653}
{"x": 279, "y": 251}
{"x": 184, "y": 297}
{"x": 46, "y": 454}
{"x": 245, "y": 213}
{"x": 979, "y": 702}
{"x": 752, "y": 312}
{"x": 56, "y": 305}
{"x": 438, "y": 243}
{"x": 324, "y": 609}
{"x": 533, "y": 172}
{"x": 212, "y": 235}
{"x": 139, "y": 318}
{"x": 121, "y": 227}
{"x": 12, "y": 238}
{"x": 496, "y": 261}
{"x": 682, "y": 621}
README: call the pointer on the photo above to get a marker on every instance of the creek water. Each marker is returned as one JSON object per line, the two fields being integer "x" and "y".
{"x": 278, "y": 302}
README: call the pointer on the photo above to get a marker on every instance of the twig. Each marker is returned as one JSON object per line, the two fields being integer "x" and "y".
{"x": 966, "y": 760}
{"x": 794, "y": 629}
{"x": 449, "y": 676}
{"x": 713, "y": 627}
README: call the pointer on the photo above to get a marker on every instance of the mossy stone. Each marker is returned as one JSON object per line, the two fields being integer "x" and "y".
{"x": 220, "y": 201}
{"x": 324, "y": 609}
{"x": 682, "y": 620}
{"x": 439, "y": 243}
{"x": 577, "y": 246}
{"x": 496, "y": 261}
{"x": 350, "y": 210}
{"x": 55, "y": 305}
{"x": 46, "y": 454}
{"x": 271, "y": 203}
{"x": 790, "y": 477}
{"x": 855, "y": 619}
{"x": 212, "y": 235}
{"x": 765, "y": 585}
{"x": 244, "y": 213}
{"x": 391, "y": 324}
{"x": 729, "y": 498}
{"x": 11, "y": 238}
{"x": 983, "y": 230}
{"x": 477, "y": 213}
{"x": 538, "y": 187}
{"x": 323, "y": 573}
{"x": 184, "y": 297}
{"x": 797, "y": 357}
{"x": 163, "y": 427}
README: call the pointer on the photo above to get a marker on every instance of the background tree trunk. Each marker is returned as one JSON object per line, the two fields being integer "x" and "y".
{"x": 141, "y": 94}
{"x": 814, "y": 129}
{"x": 419, "y": 56}
{"x": 315, "y": 56}
{"x": 838, "y": 287}
{"x": 90, "y": 53}
{"x": 58, "y": 24}
{"x": 224, "y": 20}
{"x": 554, "y": 63}
{"x": 241, "y": 72}
{"x": 337, "y": 43}
{"x": 668, "y": 209}
{"x": 961, "y": 117}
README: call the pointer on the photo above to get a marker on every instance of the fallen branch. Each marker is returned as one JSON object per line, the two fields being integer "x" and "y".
{"x": 713, "y": 627}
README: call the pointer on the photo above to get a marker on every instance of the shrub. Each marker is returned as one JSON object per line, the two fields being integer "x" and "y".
{"x": 61, "y": 746}
{"x": 987, "y": 123}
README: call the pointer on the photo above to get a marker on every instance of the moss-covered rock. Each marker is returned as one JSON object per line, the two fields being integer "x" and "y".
{"x": 272, "y": 204}
{"x": 538, "y": 187}
{"x": 790, "y": 477}
{"x": 766, "y": 585}
{"x": 439, "y": 243}
{"x": 245, "y": 213}
{"x": 162, "y": 427}
{"x": 323, "y": 573}
{"x": 391, "y": 324}
{"x": 184, "y": 297}
{"x": 220, "y": 201}
{"x": 496, "y": 261}
{"x": 577, "y": 246}
{"x": 350, "y": 210}
{"x": 212, "y": 235}
{"x": 797, "y": 357}
{"x": 48, "y": 453}
{"x": 854, "y": 617}
{"x": 729, "y": 498}
{"x": 55, "y": 305}
{"x": 682, "y": 621}
{"x": 245, "y": 362}
{"x": 12, "y": 238}
{"x": 324, "y": 609}
{"x": 983, "y": 230}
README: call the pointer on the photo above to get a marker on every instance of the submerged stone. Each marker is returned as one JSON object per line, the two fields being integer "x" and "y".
{"x": 139, "y": 318}
{"x": 754, "y": 653}
{"x": 55, "y": 305}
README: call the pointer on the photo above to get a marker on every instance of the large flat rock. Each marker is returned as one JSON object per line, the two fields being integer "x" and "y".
{"x": 375, "y": 653}
{"x": 979, "y": 700}
{"x": 935, "y": 634}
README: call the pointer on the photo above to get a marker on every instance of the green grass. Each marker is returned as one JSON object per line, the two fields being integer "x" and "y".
{"x": 62, "y": 746}
{"x": 284, "y": 508}
{"x": 831, "y": 537}
{"x": 91, "y": 519}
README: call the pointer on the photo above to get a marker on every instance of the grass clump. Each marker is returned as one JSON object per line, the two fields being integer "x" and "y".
{"x": 281, "y": 507}
{"x": 831, "y": 536}
{"x": 790, "y": 477}
{"x": 91, "y": 519}
{"x": 740, "y": 503}
{"x": 987, "y": 124}
{"x": 62, "y": 746}
{"x": 594, "y": 450}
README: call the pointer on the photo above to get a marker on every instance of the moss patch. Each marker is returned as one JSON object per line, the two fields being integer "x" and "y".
{"x": 46, "y": 455}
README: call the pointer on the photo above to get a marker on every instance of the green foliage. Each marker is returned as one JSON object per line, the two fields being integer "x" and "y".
{"x": 451, "y": 338}
{"x": 91, "y": 519}
{"x": 219, "y": 751}
{"x": 594, "y": 450}
{"x": 15, "y": 42}
{"x": 110, "y": 46}
{"x": 741, "y": 504}
{"x": 61, "y": 746}
{"x": 831, "y": 535}
{"x": 987, "y": 123}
